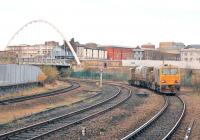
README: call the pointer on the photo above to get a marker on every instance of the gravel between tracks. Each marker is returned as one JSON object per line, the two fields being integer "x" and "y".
{"x": 15, "y": 111}
{"x": 160, "y": 127}
{"x": 117, "y": 122}
{"x": 50, "y": 126}
{"x": 55, "y": 112}
{"x": 35, "y": 90}
{"x": 192, "y": 101}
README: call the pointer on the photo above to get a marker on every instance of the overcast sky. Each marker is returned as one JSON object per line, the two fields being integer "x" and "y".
{"x": 119, "y": 22}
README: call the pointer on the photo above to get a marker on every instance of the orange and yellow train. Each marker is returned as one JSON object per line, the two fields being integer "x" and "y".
{"x": 163, "y": 79}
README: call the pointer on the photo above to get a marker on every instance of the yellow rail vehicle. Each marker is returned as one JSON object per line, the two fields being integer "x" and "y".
{"x": 164, "y": 79}
{"x": 168, "y": 80}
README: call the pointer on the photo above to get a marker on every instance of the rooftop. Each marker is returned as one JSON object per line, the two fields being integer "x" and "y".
{"x": 196, "y": 46}
{"x": 116, "y": 46}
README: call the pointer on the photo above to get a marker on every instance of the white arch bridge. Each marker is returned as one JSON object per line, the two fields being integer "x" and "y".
{"x": 47, "y": 60}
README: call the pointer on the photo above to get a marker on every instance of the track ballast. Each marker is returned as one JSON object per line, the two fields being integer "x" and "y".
{"x": 50, "y": 126}
{"x": 73, "y": 86}
{"x": 163, "y": 124}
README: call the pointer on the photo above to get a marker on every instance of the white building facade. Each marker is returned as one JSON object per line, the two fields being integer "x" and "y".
{"x": 31, "y": 51}
{"x": 94, "y": 53}
{"x": 191, "y": 53}
{"x": 138, "y": 53}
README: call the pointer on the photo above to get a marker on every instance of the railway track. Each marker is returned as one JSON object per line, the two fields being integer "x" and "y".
{"x": 52, "y": 125}
{"x": 163, "y": 124}
{"x": 58, "y": 111}
{"x": 74, "y": 85}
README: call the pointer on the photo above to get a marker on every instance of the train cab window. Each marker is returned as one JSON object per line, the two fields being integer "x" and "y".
{"x": 174, "y": 71}
{"x": 169, "y": 71}
{"x": 166, "y": 71}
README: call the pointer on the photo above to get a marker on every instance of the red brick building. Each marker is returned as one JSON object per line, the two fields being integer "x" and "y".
{"x": 51, "y": 43}
{"x": 118, "y": 53}
{"x": 148, "y": 46}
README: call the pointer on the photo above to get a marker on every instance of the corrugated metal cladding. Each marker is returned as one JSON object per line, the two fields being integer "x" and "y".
{"x": 119, "y": 53}
{"x": 14, "y": 74}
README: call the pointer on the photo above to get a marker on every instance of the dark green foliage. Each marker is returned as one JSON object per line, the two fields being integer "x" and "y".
{"x": 65, "y": 72}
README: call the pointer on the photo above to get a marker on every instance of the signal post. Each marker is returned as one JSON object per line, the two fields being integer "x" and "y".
{"x": 101, "y": 73}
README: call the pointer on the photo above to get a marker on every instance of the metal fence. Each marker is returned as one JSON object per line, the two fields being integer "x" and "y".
{"x": 186, "y": 79}
{"x": 96, "y": 75}
{"x": 16, "y": 74}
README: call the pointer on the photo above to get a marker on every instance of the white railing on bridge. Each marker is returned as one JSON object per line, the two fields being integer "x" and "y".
{"x": 44, "y": 61}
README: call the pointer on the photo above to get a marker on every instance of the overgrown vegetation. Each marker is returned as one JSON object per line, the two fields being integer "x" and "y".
{"x": 66, "y": 72}
{"x": 41, "y": 77}
{"x": 51, "y": 73}
{"x": 196, "y": 84}
{"x": 192, "y": 80}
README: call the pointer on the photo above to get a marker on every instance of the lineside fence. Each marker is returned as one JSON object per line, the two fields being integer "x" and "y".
{"x": 85, "y": 74}
{"x": 15, "y": 77}
{"x": 16, "y": 74}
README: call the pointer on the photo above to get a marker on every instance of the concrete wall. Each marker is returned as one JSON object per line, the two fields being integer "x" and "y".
{"x": 181, "y": 64}
{"x": 99, "y": 63}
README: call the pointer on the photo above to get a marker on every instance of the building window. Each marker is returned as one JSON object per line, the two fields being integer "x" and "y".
{"x": 191, "y": 53}
{"x": 191, "y": 59}
{"x": 186, "y": 59}
{"x": 185, "y": 53}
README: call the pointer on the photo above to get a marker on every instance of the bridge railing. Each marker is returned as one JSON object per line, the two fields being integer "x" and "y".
{"x": 44, "y": 61}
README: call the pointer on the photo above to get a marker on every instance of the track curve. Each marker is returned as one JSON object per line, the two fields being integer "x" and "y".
{"x": 163, "y": 124}
{"x": 44, "y": 128}
{"x": 74, "y": 85}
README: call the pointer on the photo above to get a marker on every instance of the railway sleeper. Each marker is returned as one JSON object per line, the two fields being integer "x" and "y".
{"x": 19, "y": 138}
{"x": 14, "y": 138}
{"x": 27, "y": 135}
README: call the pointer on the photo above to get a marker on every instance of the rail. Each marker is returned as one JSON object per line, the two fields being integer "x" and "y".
{"x": 12, "y": 133}
{"x": 138, "y": 130}
{"x": 178, "y": 122}
{"x": 189, "y": 130}
{"x": 44, "y": 94}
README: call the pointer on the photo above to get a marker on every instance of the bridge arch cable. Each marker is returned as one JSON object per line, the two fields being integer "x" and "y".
{"x": 55, "y": 28}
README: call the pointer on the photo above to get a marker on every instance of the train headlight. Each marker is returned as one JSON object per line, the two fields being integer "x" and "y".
{"x": 163, "y": 81}
{"x": 176, "y": 81}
